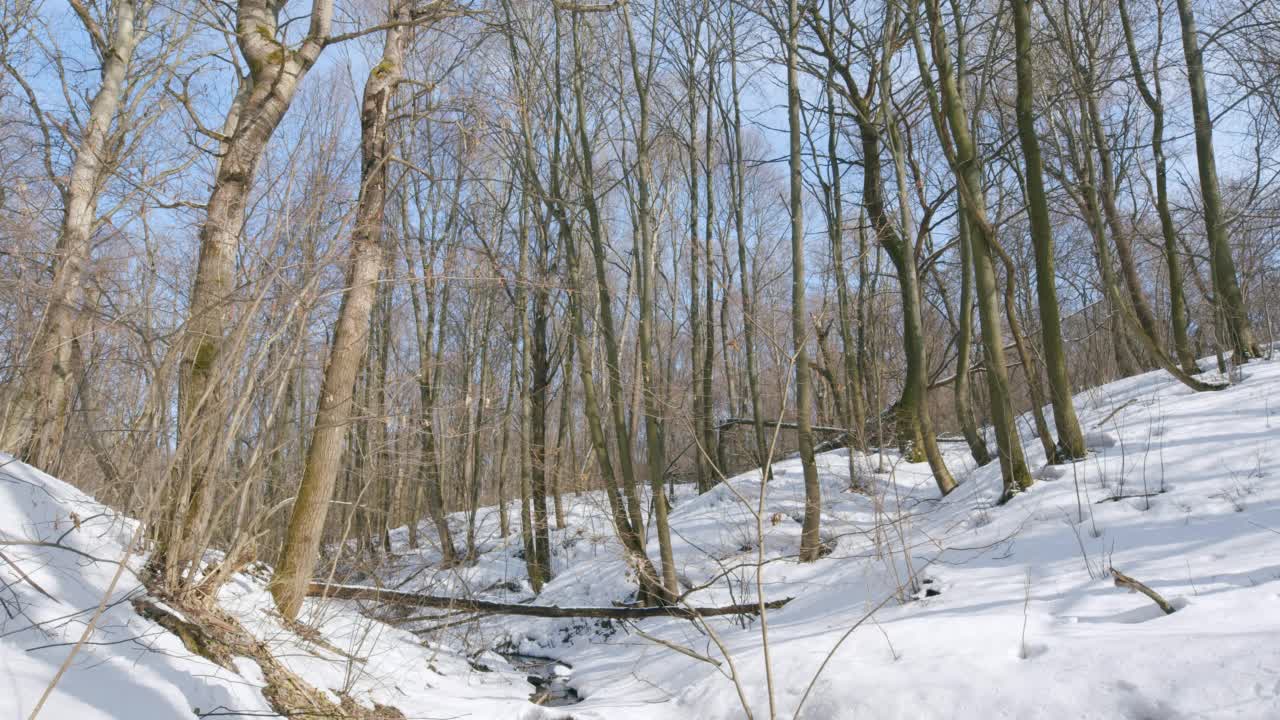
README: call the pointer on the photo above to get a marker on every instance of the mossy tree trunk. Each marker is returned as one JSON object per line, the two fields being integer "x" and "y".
{"x": 1070, "y": 438}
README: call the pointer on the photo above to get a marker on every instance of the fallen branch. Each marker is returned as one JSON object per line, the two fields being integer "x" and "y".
{"x": 786, "y": 425}
{"x": 1115, "y": 412}
{"x": 468, "y": 618}
{"x": 1118, "y": 498}
{"x": 355, "y": 592}
{"x": 1124, "y": 581}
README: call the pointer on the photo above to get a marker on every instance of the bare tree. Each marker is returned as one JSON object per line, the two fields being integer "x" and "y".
{"x": 1070, "y": 438}
{"x": 36, "y": 417}
{"x": 351, "y": 335}
{"x": 1231, "y": 313}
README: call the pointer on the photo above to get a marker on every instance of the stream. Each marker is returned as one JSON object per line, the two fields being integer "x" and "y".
{"x": 550, "y": 679}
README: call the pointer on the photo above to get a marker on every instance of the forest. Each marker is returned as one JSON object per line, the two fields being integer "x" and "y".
{"x": 338, "y": 293}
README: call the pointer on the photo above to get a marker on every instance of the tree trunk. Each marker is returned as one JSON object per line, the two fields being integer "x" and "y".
{"x": 909, "y": 277}
{"x": 966, "y": 165}
{"x": 539, "y": 385}
{"x": 1168, "y": 231}
{"x": 504, "y": 521}
{"x": 964, "y": 343}
{"x": 1222, "y": 265}
{"x": 1122, "y": 316}
{"x": 627, "y": 517}
{"x": 275, "y": 72}
{"x": 1070, "y": 438}
{"x": 737, "y": 168}
{"x": 702, "y": 469}
{"x": 528, "y": 536}
{"x": 476, "y": 434}
{"x": 851, "y": 391}
{"x": 810, "y": 541}
{"x": 715, "y": 470}
{"x": 38, "y": 414}
{"x": 350, "y": 338}
{"x": 564, "y": 456}
{"x": 655, "y": 433}
{"x": 429, "y": 347}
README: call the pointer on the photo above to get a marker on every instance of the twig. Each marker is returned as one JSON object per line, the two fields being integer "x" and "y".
{"x": 28, "y": 579}
{"x": 814, "y": 680}
{"x": 1113, "y": 413}
{"x": 687, "y": 652}
{"x": 1124, "y": 581}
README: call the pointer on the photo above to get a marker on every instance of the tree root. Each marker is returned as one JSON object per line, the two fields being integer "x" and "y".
{"x": 218, "y": 637}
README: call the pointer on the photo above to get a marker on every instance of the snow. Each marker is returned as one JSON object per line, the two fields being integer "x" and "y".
{"x": 1013, "y": 613}
{"x": 983, "y": 610}
{"x": 133, "y": 669}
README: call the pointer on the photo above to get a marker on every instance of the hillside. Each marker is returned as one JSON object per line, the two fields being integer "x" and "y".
{"x": 60, "y": 552}
{"x": 1012, "y": 612}
{"x": 959, "y": 607}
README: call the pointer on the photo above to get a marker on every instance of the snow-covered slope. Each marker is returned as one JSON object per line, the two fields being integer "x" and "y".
{"x": 941, "y": 608}
{"x": 1012, "y": 612}
{"x": 59, "y": 552}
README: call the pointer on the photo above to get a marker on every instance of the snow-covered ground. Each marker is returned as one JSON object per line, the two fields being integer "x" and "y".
{"x": 983, "y": 610}
{"x": 59, "y": 552}
{"x": 1012, "y": 612}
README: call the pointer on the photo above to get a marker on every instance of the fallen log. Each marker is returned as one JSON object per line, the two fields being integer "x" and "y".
{"x": 784, "y": 424}
{"x": 356, "y": 592}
